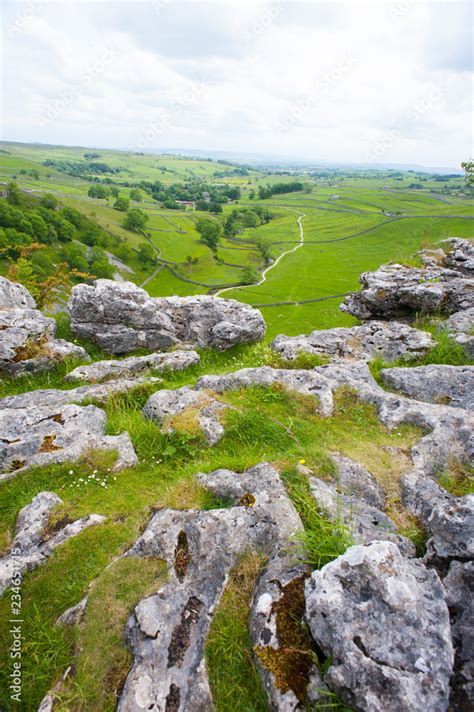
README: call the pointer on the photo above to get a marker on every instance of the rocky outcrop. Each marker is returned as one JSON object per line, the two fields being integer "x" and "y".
{"x": 197, "y": 411}
{"x": 130, "y": 367}
{"x": 449, "y": 519}
{"x": 167, "y": 631}
{"x": 121, "y": 317}
{"x": 390, "y": 341}
{"x": 384, "y": 622}
{"x": 27, "y": 341}
{"x": 395, "y": 290}
{"x": 450, "y": 385}
{"x": 47, "y": 426}
{"x": 32, "y": 542}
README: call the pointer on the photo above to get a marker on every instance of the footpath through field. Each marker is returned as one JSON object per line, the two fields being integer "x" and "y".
{"x": 274, "y": 264}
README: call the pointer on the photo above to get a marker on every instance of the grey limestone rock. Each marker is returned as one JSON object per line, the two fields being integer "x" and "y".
{"x": 395, "y": 290}
{"x": 384, "y": 621}
{"x": 163, "y": 405}
{"x": 27, "y": 342}
{"x": 449, "y": 519}
{"x": 121, "y": 317}
{"x": 32, "y": 544}
{"x": 167, "y": 631}
{"x": 130, "y": 367}
{"x": 44, "y": 427}
{"x": 390, "y": 340}
{"x": 450, "y": 385}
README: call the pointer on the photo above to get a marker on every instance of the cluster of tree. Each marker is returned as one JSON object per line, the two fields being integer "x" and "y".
{"x": 80, "y": 169}
{"x": 101, "y": 192}
{"x": 240, "y": 218}
{"x": 211, "y": 230}
{"x": 33, "y": 173}
{"x": 47, "y": 245}
{"x": 231, "y": 173}
{"x": 266, "y": 191}
{"x": 207, "y": 197}
{"x": 91, "y": 156}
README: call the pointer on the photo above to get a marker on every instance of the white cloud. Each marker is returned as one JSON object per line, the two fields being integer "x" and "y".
{"x": 225, "y": 75}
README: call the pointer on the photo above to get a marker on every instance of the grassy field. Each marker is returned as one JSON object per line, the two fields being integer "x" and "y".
{"x": 351, "y": 224}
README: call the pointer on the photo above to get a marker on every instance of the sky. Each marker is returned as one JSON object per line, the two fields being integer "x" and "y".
{"x": 376, "y": 82}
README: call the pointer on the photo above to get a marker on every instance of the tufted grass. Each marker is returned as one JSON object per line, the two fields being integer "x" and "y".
{"x": 233, "y": 676}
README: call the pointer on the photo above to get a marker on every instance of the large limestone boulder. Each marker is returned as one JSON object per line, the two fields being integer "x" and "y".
{"x": 395, "y": 290}
{"x": 121, "y": 317}
{"x": 384, "y": 622}
{"x": 451, "y": 385}
{"x": 375, "y": 338}
{"x": 27, "y": 342}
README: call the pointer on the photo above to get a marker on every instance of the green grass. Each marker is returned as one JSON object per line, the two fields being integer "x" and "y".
{"x": 233, "y": 677}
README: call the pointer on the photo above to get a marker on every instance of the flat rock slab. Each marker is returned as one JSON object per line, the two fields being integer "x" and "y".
{"x": 48, "y": 426}
{"x": 399, "y": 291}
{"x": 27, "y": 341}
{"x": 389, "y": 340}
{"x": 32, "y": 545}
{"x": 130, "y": 367}
{"x": 384, "y": 622}
{"x": 121, "y": 317}
{"x": 450, "y": 385}
{"x": 167, "y": 631}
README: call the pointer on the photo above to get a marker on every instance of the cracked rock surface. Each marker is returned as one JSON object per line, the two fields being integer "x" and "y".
{"x": 365, "y": 522}
{"x": 390, "y": 340}
{"x": 384, "y": 621}
{"x": 32, "y": 544}
{"x": 121, "y": 317}
{"x": 167, "y": 631}
{"x": 451, "y": 385}
{"x": 27, "y": 341}
{"x": 395, "y": 291}
{"x": 47, "y": 426}
{"x": 129, "y": 367}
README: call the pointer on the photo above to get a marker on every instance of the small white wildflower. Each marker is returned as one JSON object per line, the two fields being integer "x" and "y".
{"x": 115, "y": 478}
{"x": 71, "y": 472}
{"x": 102, "y": 484}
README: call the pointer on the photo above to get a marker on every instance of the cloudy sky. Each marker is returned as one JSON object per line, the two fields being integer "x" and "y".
{"x": 343, "y": 81}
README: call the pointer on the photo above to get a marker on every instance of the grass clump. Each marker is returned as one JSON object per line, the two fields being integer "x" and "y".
{"x": 233, "y": 677}
{"x": 458, "y": 479}
{"x": 103, "y": 661}
{"x": 323, "y": 539}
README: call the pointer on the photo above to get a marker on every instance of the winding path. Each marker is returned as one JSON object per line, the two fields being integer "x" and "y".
{"x": 274, "y": 264}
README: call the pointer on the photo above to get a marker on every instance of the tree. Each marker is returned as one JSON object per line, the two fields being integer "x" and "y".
{"x": 122, "y": 203}
{"x": 49, "y": 201}
{"x": 468, "y": 168}
{"x": 146, "y": 253}
{"x": 135, "y": 220}
{"x": 210, "y": 232}
{"x": 250, "y": 275}
{"x": 136, "y": 195}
